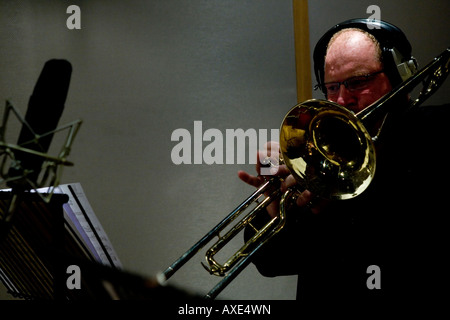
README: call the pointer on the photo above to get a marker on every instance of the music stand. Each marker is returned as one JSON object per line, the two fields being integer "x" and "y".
{"x": 29, "y": 267}
{"x": 36, "y": 248}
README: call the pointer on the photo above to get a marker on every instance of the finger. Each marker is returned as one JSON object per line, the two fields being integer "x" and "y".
{"x": 261, "y": 156}
{"x": 288, "y": 182}
{"x": 282, "y": 171}
{"x": 250, "y": 179}
{"x": 272, "y": 147}
{"x": 269, "y": 166}
{"x": 304, "y": 198}
{"x": 270, "y": 150}
{"x": 315, "y": 204}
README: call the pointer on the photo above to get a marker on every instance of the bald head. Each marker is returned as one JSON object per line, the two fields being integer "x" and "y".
{"x": 352, "y": 53}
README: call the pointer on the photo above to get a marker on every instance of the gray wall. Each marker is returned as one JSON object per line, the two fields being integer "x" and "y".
{"x": 142, "y": 69}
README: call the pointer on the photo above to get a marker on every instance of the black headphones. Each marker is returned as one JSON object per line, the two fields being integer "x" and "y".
{"x": 398, "y": 62}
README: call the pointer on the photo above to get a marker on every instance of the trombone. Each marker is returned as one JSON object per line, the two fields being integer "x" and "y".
{"x": 328, "y": 150}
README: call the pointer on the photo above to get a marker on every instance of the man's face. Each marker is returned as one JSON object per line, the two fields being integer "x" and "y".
{"x": 351, "y": 55}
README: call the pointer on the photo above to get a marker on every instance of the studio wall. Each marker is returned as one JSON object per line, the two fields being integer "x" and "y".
{"x": 142, "y": 70}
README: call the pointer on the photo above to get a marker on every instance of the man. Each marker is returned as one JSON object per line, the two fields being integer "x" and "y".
{"x": 386, "y": 245}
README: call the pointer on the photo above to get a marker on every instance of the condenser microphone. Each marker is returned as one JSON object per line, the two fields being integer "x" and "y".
{"x": 45, "y": 108}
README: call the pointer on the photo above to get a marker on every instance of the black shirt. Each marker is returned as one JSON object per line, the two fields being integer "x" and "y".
{"x": 394, "y": 235}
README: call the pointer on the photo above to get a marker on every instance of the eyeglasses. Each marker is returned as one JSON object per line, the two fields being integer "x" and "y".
{"x": 352, "y": 84}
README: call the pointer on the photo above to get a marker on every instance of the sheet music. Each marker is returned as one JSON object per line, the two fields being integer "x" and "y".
{"x": 79, "y": 214}
{"x": 83, "y": 219}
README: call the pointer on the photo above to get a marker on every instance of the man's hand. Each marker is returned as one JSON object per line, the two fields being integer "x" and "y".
{"x": 272, "y": 151}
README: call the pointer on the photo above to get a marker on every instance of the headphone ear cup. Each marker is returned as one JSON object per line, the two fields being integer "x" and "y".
{"x": 406, "y": 69}
{"x": 413, "y": 65}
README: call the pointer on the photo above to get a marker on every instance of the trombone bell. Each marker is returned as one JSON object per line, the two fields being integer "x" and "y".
{"x": 327, "y": 149}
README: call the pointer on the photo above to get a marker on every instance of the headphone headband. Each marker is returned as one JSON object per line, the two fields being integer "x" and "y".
{"x": 396, "y": 49}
